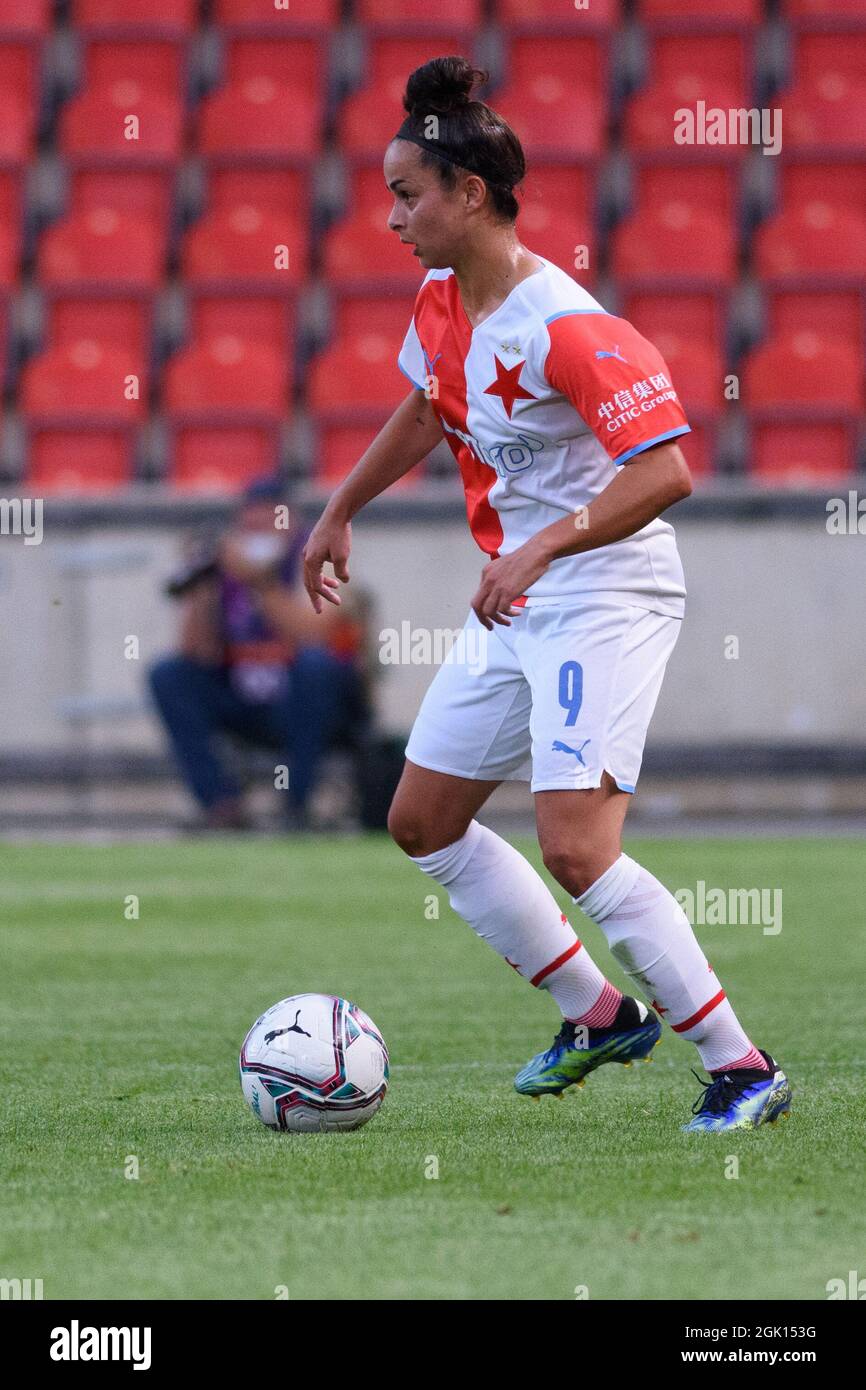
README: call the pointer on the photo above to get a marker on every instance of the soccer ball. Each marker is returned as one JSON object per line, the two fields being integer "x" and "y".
{"x": 314, "y": 1062}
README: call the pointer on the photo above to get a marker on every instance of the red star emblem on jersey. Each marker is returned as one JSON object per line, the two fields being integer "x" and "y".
{"x": 507, "y": 385}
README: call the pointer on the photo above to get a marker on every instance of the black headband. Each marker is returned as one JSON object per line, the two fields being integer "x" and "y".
{"x": 407, "y": 132}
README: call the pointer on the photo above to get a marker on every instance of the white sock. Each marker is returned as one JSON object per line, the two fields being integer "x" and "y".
{"x": 505, "y": 901}
{"x": 651, "y": 937}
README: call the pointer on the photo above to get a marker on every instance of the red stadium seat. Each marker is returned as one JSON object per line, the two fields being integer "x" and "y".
{"x": 823, "y": 56}
{"x": 386, "y": 314}
{"x": 390, "y": 60}
{"x": 574, "y": 63}
{"x": 524, "y": 14}
{"x": 568, "y": 243}
{"x": 111, "y": 320}
{"x": 368, "y": 119}
{"x": 221, "y": 458}
{"x": 256, "y": 317}
{"x": 244, "y": 243}
{"x": 8, "y": 258}
{"x": 358, "y": 375}
{"x": 99, "y": 122}
{"x": 81, "y": 425}
{"x": 556, "y": 217}
{"x": 17, "y": 128}
{"x": 685, "y": 11}
{"x": 101, "y": 245}
{"x": 11, "y": 203}
{"x": 403, "y": 14}
{"x": 159, "y": 64}
{"x": 321, "y": 14}
{"x": 830, "y": 114}
{"x": 799, "y": 450}
{"x": 259, "y": 116}
{"x": 550, "y": 118}
{"x": 164, "y": 16}
{"x": 361, "y": 249}
{"x": 139, "y": 193}
{"x": 711, "y": 186}
{"x": 699, "y": 446}
{"x": 225, "y": 399}
{"x": 565, "y": 186}
{"x": 368, "y": 192}
{"x": 227, "y": 374}
{"x": 803, "y": 369}
{"x": 281, "y": 190}
{"x": 652, "y": 121}
{"x": 824, "y": 9}
{"x": 79, "y": 461}
{"x": 295, "y": 62}
{"x": 813, "y": 239}
{"x": 697, "y": 371}
{"x": 697, "y": 315}
{"x": 4, "y": 335}
{"x": 25, "y": 18}
{"x": 702, "y": 67}
{"x": 555, "y": 94}
{"x": 839, "y": 316}
{"x": 841, "y": 182}
{"x": 675, "y": 241}
{"x": 83, "y": 378}
{"x": 338, "y": 448}
{"x": 18, "y": 81}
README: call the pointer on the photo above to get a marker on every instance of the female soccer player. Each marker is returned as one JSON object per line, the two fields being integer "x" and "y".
{"x": 563, "y": 421}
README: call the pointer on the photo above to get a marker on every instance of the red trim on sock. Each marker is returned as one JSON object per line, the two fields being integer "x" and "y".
{"x": 752, "y": 1060}
{"x": 604, "y": 1010}
{"x": 701, "y": 1013}
{"x": 555, "y": 964}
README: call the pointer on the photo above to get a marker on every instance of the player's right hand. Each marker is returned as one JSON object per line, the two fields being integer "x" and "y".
{"x": 329, "y": 540}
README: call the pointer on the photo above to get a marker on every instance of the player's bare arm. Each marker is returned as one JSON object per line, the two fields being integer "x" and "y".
{"x": 644, "y": 488}
{"x": 412, "y": 431}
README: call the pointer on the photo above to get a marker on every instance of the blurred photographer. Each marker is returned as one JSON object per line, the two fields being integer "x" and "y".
{"x": 256, "y": 661}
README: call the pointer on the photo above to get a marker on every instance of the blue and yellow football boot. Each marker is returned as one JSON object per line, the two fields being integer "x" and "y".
{"x": 578, "y": 1050}
{"x": 742, "y": 1099}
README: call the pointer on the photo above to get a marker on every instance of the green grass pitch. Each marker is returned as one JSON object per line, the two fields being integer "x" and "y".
{"x": 120, "y": 1038}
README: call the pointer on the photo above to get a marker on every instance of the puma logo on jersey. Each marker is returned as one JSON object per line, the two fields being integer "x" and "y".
{"x": 601, "y": 354}
{"x": 559, "y": 747}
{"x": 430, "y": 363}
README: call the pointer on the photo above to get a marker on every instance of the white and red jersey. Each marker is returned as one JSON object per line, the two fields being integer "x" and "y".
{"x": 541, "y": 404}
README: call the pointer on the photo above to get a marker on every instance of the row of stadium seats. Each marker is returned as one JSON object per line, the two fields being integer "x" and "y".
{"x": 275, "y": 90}
{"x": 180, "y": 17}
{"x": 144, "y": 315}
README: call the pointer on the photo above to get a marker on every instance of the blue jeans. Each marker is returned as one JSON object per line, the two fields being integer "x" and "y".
{"x": 323, "y": 697}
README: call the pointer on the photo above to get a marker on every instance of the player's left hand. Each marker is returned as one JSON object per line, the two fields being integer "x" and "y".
{"x": 504, "y": 580}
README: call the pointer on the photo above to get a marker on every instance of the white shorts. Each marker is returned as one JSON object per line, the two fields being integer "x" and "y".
{"x": 559, "y": 697}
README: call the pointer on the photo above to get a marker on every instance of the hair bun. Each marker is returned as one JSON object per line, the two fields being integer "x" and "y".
{"x": 443, "y": 84}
